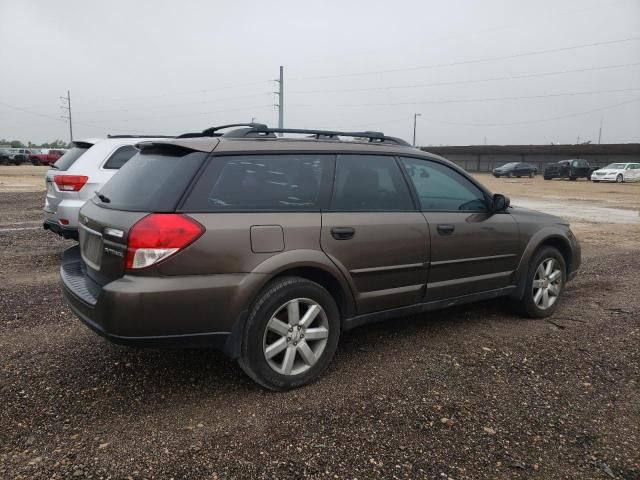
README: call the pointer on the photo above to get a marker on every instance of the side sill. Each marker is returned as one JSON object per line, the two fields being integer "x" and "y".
{"x": 359, "y": 320}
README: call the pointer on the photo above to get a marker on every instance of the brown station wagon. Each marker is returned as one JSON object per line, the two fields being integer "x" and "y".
{"x": 269, "y": 247}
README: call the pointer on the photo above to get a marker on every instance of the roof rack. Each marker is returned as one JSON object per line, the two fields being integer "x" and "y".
{"x": 140, "y": 136}
{"x": 213, "y": 131}
{"x": 259, "y": 130}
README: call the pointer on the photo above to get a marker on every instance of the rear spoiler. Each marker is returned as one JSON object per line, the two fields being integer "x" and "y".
{"x": 202, "y": 144}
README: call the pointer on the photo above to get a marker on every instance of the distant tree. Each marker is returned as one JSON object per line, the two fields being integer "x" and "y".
{"x": 16, "y": 144}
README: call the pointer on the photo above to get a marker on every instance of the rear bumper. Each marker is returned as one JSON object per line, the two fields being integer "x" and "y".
{"x": 65, "y": 232}
{"x": 68, "y": 209}
{"x": 154, "y": 311}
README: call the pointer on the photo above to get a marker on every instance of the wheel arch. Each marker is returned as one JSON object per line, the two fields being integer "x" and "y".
{"x": 543, "y": 239}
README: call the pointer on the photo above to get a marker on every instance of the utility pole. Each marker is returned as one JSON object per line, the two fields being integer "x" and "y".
{"x": 281, "y": 99}
{"x": 67, "y": 108}
{"x": 415, "y": 120}
{"x": 600, "y": 132}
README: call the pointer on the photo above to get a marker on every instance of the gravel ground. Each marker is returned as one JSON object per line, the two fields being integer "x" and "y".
{"x": 471, "y": 392}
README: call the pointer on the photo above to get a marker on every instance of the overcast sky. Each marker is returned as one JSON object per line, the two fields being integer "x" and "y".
{"x": 174, "y": 66}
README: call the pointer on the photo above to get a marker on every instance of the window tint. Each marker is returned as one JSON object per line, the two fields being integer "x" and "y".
{"x": 369, "y": 183}
{"x": 442, "y": 189}
{"x": 260, "y": 182}
{"x": 120, "y": 157}
{"x": 152, "y": 181}
{"x": 69, "y": 158}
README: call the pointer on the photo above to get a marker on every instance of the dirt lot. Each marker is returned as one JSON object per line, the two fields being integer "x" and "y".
{"x": 468, "y": 393}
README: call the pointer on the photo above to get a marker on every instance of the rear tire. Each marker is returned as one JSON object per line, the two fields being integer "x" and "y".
{"x": 275, "y": 352}
{"x": 544, "y": 284}
{"x": 573, "y": 179}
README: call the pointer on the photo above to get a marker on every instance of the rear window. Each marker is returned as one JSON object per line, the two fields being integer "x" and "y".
{"x": 69, "y": 158}
{"x": 291, "y": 182}
{"x": 152, "y": 181}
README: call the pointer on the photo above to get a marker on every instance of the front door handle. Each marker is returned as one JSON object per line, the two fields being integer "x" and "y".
{"x": 445, "y": 229}
{"x": 342, "y": 233}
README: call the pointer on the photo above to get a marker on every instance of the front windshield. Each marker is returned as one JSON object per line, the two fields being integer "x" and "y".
{"x": 509, "y": 165}
{"x": 616, "y": 166}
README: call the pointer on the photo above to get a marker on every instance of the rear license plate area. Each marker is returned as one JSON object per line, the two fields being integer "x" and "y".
{"x": 91, "y": 247}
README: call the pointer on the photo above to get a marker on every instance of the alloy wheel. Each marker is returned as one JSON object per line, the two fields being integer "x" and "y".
{"x": 295, "y": 336}
{"x": 547, "y": 283}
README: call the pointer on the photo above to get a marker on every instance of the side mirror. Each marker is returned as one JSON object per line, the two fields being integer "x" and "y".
{"x": 500, "y": 202}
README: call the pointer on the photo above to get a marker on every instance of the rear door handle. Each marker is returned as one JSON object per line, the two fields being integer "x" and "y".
{"x": 445, "y": 229}
{"x": 342, "y": 233}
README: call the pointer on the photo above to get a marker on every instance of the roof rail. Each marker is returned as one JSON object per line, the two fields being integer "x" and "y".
{"x": 140, "y": 136}
{"x": 212, "y": 131}
{"x": 261, "y": 130}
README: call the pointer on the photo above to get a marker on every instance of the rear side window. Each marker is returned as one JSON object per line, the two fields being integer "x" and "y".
{"x": 152, "y": 181}
{"x": 69, "y": 158}
{"x": 369, "y": 183}
{"x": 120, "y": 157}
{"x": 289, "y": 182}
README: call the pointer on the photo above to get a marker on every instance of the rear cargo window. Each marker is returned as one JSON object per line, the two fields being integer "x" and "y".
{"x": 69, "y": 158}
{"x": 120, "y": 157}
{"x": 152, "y": 181}
{"x": 260, "y": 182}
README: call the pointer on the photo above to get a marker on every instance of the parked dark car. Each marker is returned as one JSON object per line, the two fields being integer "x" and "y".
{"x": 269, "y": 248}
{"x": 571, "y": 169}
{"x": 515, "y": 169}
{"x": 5, "y": 156}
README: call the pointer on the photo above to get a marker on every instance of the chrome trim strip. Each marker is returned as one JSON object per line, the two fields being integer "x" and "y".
{"x": 472, "y": 259}
{"x": 458, "y": 281}
{"x": 391, "y": 291}
{"x": 386, "y": 269}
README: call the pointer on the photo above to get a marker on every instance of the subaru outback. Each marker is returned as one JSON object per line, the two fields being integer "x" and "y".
{"x": 269, "y": 247}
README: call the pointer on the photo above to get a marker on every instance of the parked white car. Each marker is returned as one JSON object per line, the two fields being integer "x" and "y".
{"x": 617, "y": 172}
{"x": 79, "y": 173}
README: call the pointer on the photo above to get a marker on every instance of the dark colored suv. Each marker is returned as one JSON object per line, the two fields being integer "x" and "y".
{"x": 269, "y": 248}
{"x": 571, "y": 169}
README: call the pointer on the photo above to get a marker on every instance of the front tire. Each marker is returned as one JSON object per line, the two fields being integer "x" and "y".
{"x": 291, "y": 334}
{"x": 544, "y": 285}
{"x": 619, "y": 178}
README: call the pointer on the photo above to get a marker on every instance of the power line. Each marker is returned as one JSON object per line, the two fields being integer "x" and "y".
{"x": 154, "y": 107}
{"x": 30, "y": 112}
{"x": 468, "y": 62}
{"x": 541, "y": 120}
{"x": 193, "y": 114}
{"x": 459, "y": 82}
{"x": 217, "y": 89}
{"x": 473, "y": 100}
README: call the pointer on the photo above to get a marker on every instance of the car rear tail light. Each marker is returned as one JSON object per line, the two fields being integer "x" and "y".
{"x": 63, "y": 221}
{"x": 158, "y": 236}
{"x": 70, "y": 183}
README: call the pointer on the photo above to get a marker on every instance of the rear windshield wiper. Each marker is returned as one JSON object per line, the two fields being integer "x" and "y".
{"x": 103, "y": 198}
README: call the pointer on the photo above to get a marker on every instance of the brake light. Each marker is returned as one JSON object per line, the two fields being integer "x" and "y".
{"x": 70, "y": 183}
{"x": 158, "y": 236}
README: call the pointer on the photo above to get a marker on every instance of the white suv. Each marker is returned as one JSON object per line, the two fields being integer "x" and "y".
{"x": 79, "y": 173}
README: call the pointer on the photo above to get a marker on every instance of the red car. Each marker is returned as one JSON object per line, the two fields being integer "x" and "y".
{"x": 48, "y": 158}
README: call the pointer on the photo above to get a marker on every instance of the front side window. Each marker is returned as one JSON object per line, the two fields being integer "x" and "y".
{"x": 369, "y": 183}
{"x": 120, "y": 157}
{"x": 260, "y": 182}
{"x": 442, "y": 189}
